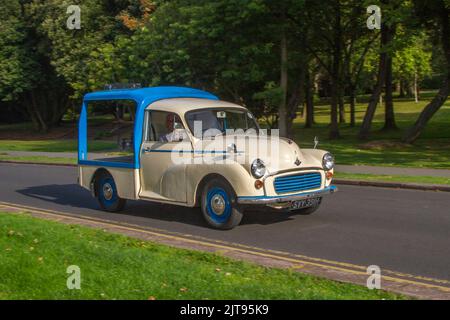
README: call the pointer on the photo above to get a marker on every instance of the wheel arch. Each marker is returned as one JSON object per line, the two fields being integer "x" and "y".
{"x": 201, "y": 185}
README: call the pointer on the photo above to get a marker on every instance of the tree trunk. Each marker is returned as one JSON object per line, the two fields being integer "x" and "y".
{"x": 297, "y": 98}
{"x": 309, "y": 97}
{"x": 427, "y": 113}
{"x": 341, "y": 107}
{"x": 42, "y": 126}
{"x": 402, "y": 89}
{"x": 371, "y": 108}
{"x": 352, "y": 106}
{"x": 282, "y": 123}
{"x": 416, "y": 89}
{"x": 335, "y": 77}
{"x": 389, "y": 116}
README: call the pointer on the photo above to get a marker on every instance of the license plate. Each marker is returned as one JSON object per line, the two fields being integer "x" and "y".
{"x": 305, "y": 203}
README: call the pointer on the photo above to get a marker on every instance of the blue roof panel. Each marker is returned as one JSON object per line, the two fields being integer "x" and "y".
{"x": 149, "y": 95}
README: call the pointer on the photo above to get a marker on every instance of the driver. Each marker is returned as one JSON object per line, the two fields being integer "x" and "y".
{"x": 175, "y": 129}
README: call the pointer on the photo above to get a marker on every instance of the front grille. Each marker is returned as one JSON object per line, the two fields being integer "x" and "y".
{"x": 298, "y": 182}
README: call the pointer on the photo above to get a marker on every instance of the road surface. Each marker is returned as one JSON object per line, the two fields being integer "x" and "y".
{"x": 401, "y": 230}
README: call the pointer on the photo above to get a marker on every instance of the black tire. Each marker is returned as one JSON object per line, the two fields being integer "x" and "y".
{"x": 106, "y": 194}
{"x": 219, "y": 206}
{"x": 309, "y": 210}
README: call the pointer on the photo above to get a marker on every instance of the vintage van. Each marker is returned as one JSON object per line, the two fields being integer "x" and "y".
{"x": 191, "y": 149}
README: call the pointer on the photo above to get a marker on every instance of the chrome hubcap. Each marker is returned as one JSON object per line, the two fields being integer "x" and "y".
{"x": 107, "y": 191}
{"x": 218, "y": 204}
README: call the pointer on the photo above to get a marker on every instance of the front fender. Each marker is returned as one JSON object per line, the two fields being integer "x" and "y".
{"x": 313, "y": 157}
{"x": 237, "y": 176}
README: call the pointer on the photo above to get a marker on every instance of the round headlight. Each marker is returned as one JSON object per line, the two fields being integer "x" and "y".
{"x": 328, "y": 161}
{"x": 258, "y": 168}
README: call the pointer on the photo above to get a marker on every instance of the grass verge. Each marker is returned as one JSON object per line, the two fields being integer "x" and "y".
{"x": 384, "y": 148}
{"x": 54, "y": 145}
{"x": 393, "y": 178}
{"x": 34, "y": 256}
{"x": 38, "y": 159}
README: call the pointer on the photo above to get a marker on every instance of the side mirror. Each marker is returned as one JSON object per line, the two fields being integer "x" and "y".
{"x": 232, "y": 148}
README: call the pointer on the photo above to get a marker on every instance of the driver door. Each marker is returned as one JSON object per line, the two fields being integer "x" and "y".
{"x": 165, "y": 153}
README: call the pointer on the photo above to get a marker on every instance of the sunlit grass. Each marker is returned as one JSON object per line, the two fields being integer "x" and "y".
{"x": 54, "y": 145}
{"x": 384, "y": 147}
{"x": 35, "y": 254}
{"x": 393, "y": 178}
{"x": 38, "y": 159}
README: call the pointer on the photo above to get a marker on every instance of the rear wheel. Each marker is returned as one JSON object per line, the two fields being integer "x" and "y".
{"x": 219, "y": 205}
{"x": 107, "y": 195}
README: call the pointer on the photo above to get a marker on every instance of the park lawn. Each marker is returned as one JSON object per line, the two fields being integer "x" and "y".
{"x": 54, "y": 145}
{"x": 393, "y": 178}
{"x": 35, "y": 254}
{"x": 38, "y": 159}
{"x": 384, "y": 148}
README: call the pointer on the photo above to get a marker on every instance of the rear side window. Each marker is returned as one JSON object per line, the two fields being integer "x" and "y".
{"x": 110, "y": 131}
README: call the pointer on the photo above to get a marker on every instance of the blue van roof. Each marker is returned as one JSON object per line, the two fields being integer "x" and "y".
{"x": 149, "y": 95}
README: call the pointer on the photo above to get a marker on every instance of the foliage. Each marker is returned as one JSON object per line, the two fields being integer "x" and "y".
{"x": 229, "y": 47}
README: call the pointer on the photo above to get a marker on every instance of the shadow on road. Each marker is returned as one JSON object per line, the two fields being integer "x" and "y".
{"x": 71, "y": 195}
{"x": 66, "y": 194}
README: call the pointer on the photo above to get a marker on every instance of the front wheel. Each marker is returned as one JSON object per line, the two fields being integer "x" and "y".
{"x": 107, "y": 195}
{"x": 219, "y": 205}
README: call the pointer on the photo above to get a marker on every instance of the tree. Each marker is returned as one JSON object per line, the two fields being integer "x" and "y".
{"x": 384, "y": 76}
{"x": 358, "y": 41}
{"x": 325, "y": 45}
{"x": 45, "y": 62}
{"x": 16, "y": 67}
{"x": 437, "y": 12}
{"x": 413, "y": 62}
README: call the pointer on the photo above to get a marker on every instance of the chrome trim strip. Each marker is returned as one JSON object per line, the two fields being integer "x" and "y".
{"x": 281, "y": 199}
{"x": 298, "y": 169}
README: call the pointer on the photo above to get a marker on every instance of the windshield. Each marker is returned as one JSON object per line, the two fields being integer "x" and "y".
{"x": 212, "y": 122}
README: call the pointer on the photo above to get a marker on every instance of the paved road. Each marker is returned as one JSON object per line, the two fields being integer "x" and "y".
{"x": 401, "y": 230}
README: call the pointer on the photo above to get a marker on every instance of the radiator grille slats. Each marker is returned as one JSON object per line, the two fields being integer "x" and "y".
{"x": 298, "y": 182}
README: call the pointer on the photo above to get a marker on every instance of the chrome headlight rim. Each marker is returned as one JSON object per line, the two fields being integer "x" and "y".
{"x": 258, "y": 168}
{"x": 328, "y": 162}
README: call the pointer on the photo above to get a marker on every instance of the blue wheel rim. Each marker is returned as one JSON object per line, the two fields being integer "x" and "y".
{"x": 107, "y": 202}
{"x": 218, "y": 193}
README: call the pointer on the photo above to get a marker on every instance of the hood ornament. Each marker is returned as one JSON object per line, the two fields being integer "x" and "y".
{"x": 297, "y": 162}
{"x": 316, "y": 142}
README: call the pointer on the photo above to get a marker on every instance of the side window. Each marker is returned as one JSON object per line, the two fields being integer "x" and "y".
{"x": 164, "y": 127}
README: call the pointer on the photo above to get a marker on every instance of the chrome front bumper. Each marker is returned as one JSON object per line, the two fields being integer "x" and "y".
{"x": 265, "y": 200}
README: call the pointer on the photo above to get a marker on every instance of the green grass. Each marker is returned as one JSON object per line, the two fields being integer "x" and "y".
{"x": 38, "y": 159}
{"x": 393, "y": 178}
{"x": 54, "y": 145}
{"x": 34, "y": 256}
{"x": 384, "y": 148}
